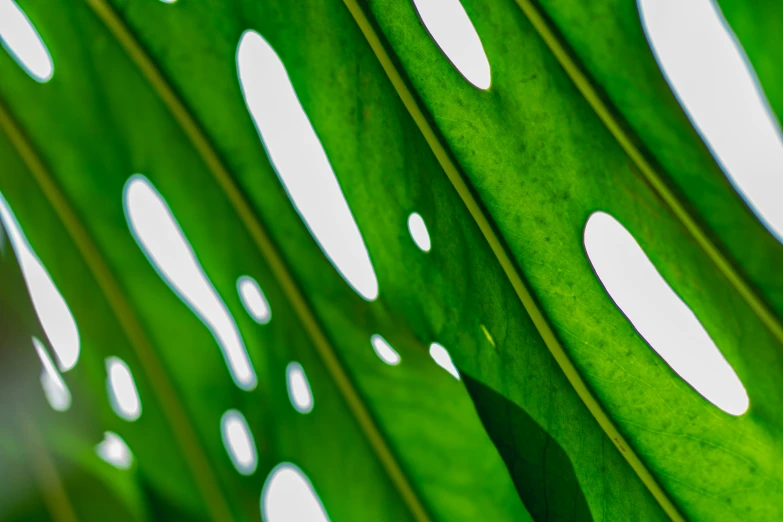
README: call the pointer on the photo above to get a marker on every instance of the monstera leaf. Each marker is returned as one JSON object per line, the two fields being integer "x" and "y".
{"x": 224, "y": 360}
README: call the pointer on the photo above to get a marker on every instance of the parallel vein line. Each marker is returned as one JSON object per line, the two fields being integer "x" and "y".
{"x": 653, "y": 177}
{"x": 267, "y": 248}
{"x": 52, "y": 488}
{"x": 509, "y": 267}
{"x": 169, "y": 401}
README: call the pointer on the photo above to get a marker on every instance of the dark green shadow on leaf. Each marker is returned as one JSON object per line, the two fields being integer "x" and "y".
{"x": 540, "y": 469}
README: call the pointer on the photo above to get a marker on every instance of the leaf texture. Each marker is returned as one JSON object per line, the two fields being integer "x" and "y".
{"x": 578, "y": 118}
{"x": 332, "y": 445}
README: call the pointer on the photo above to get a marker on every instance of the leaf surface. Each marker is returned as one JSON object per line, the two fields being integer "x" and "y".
{"x": 377, "y": 434}
{"x": 570, "y": 153}
{"x": 578, "y": 119}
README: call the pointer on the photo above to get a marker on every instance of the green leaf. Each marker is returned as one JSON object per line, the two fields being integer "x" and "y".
{"x": 571, "y": 152}
{"x": 578, "y": 118}
{"x": 755, "y": 25}
{"x": 48, "y": 471}
{"x": 406, "y": 441}
{"x": 541, "y": 469}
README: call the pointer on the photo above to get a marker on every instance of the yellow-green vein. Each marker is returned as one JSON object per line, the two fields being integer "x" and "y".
{"x": 616, "y": 128}
{"x": 169, "y": 401}
{"x": 52, "y": 489}
{"x": 509, "y": 267}
{"x": 267, "y": 248}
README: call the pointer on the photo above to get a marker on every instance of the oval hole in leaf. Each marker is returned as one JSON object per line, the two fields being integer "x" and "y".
{"x": 160, "y": 237}
{"x": 384, "y": 350}
{"x": 717, "y": 87}
{"x": 301, "y": 163}
{"x": 659, "y": 315}
{"x": 22, "y": 41}
{"x": 123, "y": 395}
{"x": 51, "y": 308}
{"x": 289, "y": 496}
{"x": 254, "y": 300}
{"x": 419, "y": 232}
{"x": 239, "y": 442}
{"x": 114, "y": 450}
{"x": 54, "y": 387}
{"x": 441, "y": 356}
{"x": 451, "y": 28}
{"x": 299, "y": 391}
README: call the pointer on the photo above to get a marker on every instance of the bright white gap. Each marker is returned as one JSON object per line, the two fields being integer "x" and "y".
{"x": 123, "y": 395}
{"x": 450, "y": 27}
{"x": 289, "y": 496}
{"x": 168, "y": 250}
{"x": 716, "y": 85}
{"x": 239, "y": 442}
{"x": 419, "y": 232}
{"x": 441, "y": 356}
{"x": 299, "y": 391}
{"x": 23, "y": 42}
{"x": 54, "y": 387}
{"x": 384, "y": 350}
{"x": 301, "y": 163}
{"x": 254, "y": 300}
{"x": 168, "y": 1}
{"x": 52, "y": 311}
{"x": 114, "y": 450}
{"x": 659, "y": 315}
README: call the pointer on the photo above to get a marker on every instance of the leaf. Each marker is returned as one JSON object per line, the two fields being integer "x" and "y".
{"x": 504, "y": 179}
{"x": 755, "y": 26}
{"x": 40, "y": 471}
{"x": 552, "y": 158}
{"x": 541, "y": 470}
{"x": 386, "y": 454}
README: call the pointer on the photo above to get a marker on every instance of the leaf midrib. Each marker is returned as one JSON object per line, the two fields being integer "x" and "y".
{"x": 269, "y": 251}
{"x": 507, "y": 264}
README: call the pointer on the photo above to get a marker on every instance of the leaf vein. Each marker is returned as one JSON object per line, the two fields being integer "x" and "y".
{"x": 164, "y": 390}
{"x": 269, "y": 251}
{"x": 512, "y": 273}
